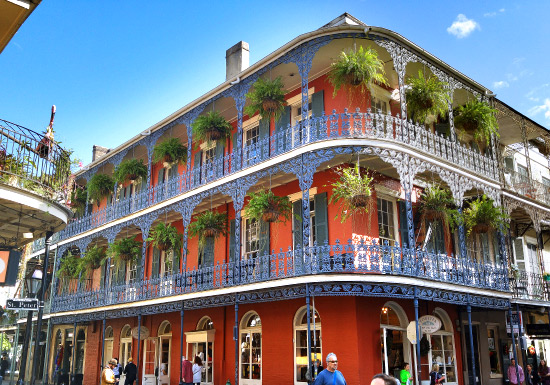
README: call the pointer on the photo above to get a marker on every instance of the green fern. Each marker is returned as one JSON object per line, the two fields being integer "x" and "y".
{"x": 425, "y": 97}
{"x": 266, "y": 201}
{"x": 100, "y": 186}
{"x": 266, "y": 90}
{"x": 130, "y": 169}
{"x": 211, "y": 127}
{"x": 479, "y": 118}
{"x": 170, "y": 150}
{"x": 352, "y": 191}
{"x": 165, "y": 237}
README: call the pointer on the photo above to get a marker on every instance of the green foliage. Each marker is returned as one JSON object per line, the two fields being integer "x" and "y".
{"x": 424, "y": 346}
{"x": 208, "y": 224}
{"x": 479, "y": 118}
{"x": 69, "y": 266}
{"x": 352, "y": 191}
{"x": 92, "y": 259}
{"x": 357, "y": 69}
{"x": 78, "y": 200}
{"x": 123, "y": 250}
{"x": 482, "y": 213}
{"x": 170, "y": 150}
{"x": 100, "y": 186}
{"x": 437, "y": 203}
{"x": 266, "y": 91}
{"x": 265, "y": 202}
{"x": 426, "y": 97}
{"x": 166, "y": 237}
{"x": 130, "y": 169}
{"x": 211, "y": 127}
{"x": 6, "y": 345}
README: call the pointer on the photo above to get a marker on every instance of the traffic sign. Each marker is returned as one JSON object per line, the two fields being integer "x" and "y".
{"x": 22, "y": 304}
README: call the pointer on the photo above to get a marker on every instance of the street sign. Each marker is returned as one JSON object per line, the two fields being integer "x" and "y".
{"x": 22, "y": 304}
{"x": 411, "y": 332}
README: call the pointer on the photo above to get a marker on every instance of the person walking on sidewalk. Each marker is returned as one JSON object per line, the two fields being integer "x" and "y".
{"x": 331, "y": 375}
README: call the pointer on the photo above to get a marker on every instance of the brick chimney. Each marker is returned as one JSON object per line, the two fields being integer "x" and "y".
{"x": 237, "y": 59}
{"x": 98, "y": 152}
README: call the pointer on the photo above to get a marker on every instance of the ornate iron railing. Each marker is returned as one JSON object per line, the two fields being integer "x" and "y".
{"x": 524, "y": 185}
{"x": 532, "y": 286}
{"x": 352, "y": 258}
{"x": 358, "y": 125}
{"x": 33, "y": 162}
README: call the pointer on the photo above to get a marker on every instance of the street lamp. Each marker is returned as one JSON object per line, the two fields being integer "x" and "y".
{"x": 32, "y": 283}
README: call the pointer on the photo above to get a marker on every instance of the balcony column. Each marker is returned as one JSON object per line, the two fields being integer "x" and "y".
{"x": 87, "y": 202}
{"x": 240, "y": 99}
{"x": 138, "y": 348}
{"x": 73, "y": 366}
{"x": 45, "y": 375}
{"x": 526, "y": 147}
{"x": 513, "y": 342}
{"x": 462, "y": 236}
{"x": 540, "y": 243}
{"x": 103, "y": 345}
{"x": 418, "y": 335}
{"x": 308, "y": 316}
{"x": 14, "y": 350}
{"x": 451, "y": 114}
{"x": 521, "y": 341}
{"x": 181, "y": 343}
{"x": 471, "y": 342}
{"x": 237, "y": 344}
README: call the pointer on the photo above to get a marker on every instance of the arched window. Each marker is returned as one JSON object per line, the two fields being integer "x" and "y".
{"x": 205, "y": 323}
{"x": 251, "y": 349}
{"x": 108, "y": 345}
{"x": 393, "y": 335}
{"x": 301, "y": 343}
{"x": 443, "y": 347}
{"x": 200, "y": 342}
{"x": 125, "y": 345}
{"x": 165, "y": 337}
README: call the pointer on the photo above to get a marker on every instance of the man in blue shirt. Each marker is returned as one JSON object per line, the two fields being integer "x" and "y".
{"x": 330, "y": 375}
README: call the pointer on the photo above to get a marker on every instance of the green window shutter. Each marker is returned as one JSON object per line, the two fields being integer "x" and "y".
{"x": 197, "y": 169}
{"x": 264, "y": 238}
{"x": 231, "y": 241}
{"x": 219, "y": 161}
{"x": 208, "y": 252}
{"x": 263, "y": 150}
{"x": 318, "y": 129}
{"x": 321, "y": 219}
{"x": 160, "y": 176}
{"x": 236, "y": 165}
{"x": 439, "y": 237}
{"x": 102, "y": 277}
{"x": 403, "y": 226}
{"x": 509, "y": 163}
{"x": 297, "y": 224}
{"x": 155, "y": 268}
{"x": 282, "y": 142}
{"x": 443, "y": 129}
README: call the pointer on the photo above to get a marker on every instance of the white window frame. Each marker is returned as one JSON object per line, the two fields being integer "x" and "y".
{"x": 244, "y": 329}
{"x": 446, "y": 324}
{"x": 297, "y": 317}
{"x": 403, "y": 323}
{"x": 393, "y": 200}
{"x": 494, "y": 328}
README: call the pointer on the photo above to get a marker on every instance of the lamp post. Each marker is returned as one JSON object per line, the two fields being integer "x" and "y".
{"x": 31, "y": 282}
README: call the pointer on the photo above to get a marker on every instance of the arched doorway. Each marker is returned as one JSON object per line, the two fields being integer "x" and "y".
{"x": 443, "y": 350}
{"x": 251, "y": 349}
{"x": 79, "y": 356}
{"x": 301, "y": 343}
{"x": 156, "y": 356}
{"x": 165, "y": 340}
{"x": 393, "y": 332}
{"x": 125, "y": 349}
{"x": 108, "y": 345}
{"x": 201, "y": 343}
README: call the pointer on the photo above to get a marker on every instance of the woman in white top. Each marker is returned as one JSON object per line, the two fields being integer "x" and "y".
{"x": 197, "y": 370}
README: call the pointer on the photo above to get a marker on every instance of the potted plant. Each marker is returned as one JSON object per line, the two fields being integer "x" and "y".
{"x": 99, "y": 187}
{"x": 357, "y": 69}
{"x": 69, "y": 267}
{"x": 209, "y": 224}
{"x": 124, "y": 250}
{"x": 477, "y": 119}
{"x": 267, "y": 97}
{"x": 436, "y": 204}
{"x": 165, "y": 237}
{"x": 78, "y": 200}
{"x": 268, "y": 207}
{"x": 481, "y": 215}
{"x": 92, "y": 259}
{"x": 211, "y": 127}
{"x": 170, "y": 151}
{"x": 546, "y": 276}
{"x": 130, "y": 169}
{"x": 352, "y": 190}
{"x": 426, "y": 96}
{"x": 514, "y": 270}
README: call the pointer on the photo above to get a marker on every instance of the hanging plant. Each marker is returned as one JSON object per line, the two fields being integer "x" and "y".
{"x": 78, "y": 200}
{"x": 268, "y": 207}
{"x": 424, "y": 346}
{"x": 357, "y": 69}
{"x": 165, "y": 237}
{"x": 211, "y": 127}
{"x": 426, "y": 96}
{"x": 130, "y": 170}
{"x": 170, "y": 151}
{"x": 124, "y": 250}
{"x": 92, "y": 259}
{"x": 479, "y": 120}
{"x": 352, "y": 191}
{"x": 69, "y": 267}
{"x": 436, "y": 204}
{"x": 267, "y": 97}
{"x": 99, "y": 187}
{"x": 209, "y": 224}
{"x": 481, "y": 216}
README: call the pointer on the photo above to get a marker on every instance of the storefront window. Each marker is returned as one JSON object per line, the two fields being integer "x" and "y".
{"x": 395, "y": 350}
{"x": 443, "y": 347}
{"x": 301, "y": 341}
{"x": 494, "y": 357}
{"x": 251, "y": 348}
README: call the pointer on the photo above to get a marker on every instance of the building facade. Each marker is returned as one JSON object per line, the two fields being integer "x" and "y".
{"x": 263, "y": 301}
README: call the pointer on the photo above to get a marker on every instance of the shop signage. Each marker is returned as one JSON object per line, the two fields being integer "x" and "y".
{"x": 22, "y": 304}
{"x": 429, "y": 323}
{"x": 411, "y": 332}
{"x": 517, "y": 320}
{"x": 9, "y": 264}
{"x": 538, "y": 330}
{"x": 143, "y": 335}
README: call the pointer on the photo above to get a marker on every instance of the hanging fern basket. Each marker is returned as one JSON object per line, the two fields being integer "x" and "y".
{"x": 270, "y": 216}
{"x": 359, "y": 201}
{"x": 270, "y": 105}
{"x": 481, "y": 228}
{"x": 210, "y": 232}
{"x": 125, "y": 257}
{"x": 167, "y": 159}
{"x": 214, "y": 134}
{"x": 163, "y": 246}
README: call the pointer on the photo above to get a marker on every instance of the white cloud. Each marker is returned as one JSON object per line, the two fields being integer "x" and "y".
{"x": 512, "y": 77}
{"x": 544, "y": 107}
{"x": 493, "y": 14}
{"x": 462, "y": 26}
{"x": 500, "y": 84}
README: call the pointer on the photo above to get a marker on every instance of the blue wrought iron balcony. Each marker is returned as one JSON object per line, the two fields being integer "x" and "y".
{"x": 352, "y": 258}
{"x": 530, "y": 286}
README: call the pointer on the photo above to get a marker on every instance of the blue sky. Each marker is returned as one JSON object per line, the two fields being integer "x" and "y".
{"x": 114, "y": 68}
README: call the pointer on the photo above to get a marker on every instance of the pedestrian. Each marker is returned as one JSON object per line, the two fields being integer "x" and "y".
{"x": 532, "y": 377}
{"x": 187, "y": 371}
{"x": 197, "y": 371}
{"x": 130, "y": 370}
{"x": 117, "y": 369}
{"x": 4, "y": 365}
{"x": 436, "y": 378}
{"x": 382, "y": 379}
{"x": 513, "y": 375}
{"x": 405, "y": 374}
{"x": 107, "y": 376}
{"x": 331, "y": 375}
{"x": 544, "y": 373}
